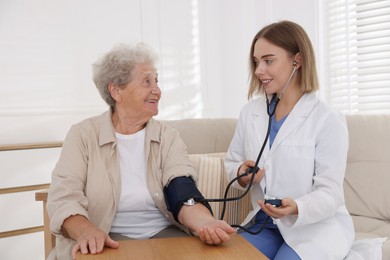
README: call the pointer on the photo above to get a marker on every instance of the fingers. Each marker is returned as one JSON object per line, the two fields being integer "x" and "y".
{"x": 227, "y": 228}
{"x": 210, "y": 237}
{"x": 214, "y": 236}
{"x": 93, "y": 246}
{"x": 84, "y": 246}
{"x": 75, "y": 249}
{"x": 100, "y": 242}
{"x": 277, "y": 212}
{"x": 111, "y": 243}
{"x": 216, "y": 233}
{"x": 249, "y": 163}
{"x": 220, "y": 236}
{"x": 264, "y": 207}
{"x": 257, "y": 178}
{"x": 245, "y": 165}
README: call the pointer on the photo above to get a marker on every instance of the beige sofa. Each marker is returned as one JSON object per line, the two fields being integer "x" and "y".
{"x": 367, "y": 179}
{"x": 367, "y": 176}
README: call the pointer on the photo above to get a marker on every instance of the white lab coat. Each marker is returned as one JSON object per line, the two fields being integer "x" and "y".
{"x": 307, "y": 163}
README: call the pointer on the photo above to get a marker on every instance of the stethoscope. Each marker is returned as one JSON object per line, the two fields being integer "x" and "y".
{"x": 277, "y": 99}
{"x": 254, "y": 169}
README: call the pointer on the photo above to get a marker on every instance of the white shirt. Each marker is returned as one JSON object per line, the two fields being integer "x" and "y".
{"x": 137, "y": 215}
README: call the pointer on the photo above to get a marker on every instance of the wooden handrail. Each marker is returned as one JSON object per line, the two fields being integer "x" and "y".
{"x": 22, "y": 231}
{"x": 15, "y": 147}
{"x": 49, "y": 239}
{"x": 41, "y": 195}
{"x": 24, "y": 188}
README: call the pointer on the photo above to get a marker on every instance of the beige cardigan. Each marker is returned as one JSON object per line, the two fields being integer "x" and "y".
{"x": 86, "y": 179}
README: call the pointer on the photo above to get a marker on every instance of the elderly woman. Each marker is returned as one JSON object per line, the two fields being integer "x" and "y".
{"x": 122, "y": 173}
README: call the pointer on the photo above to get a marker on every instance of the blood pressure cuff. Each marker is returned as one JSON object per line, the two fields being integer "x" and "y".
{"x": 179, "y": 190}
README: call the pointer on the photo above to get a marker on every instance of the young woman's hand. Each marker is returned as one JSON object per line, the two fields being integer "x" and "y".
{"x": 288, "y": 207}
{"x": 244, "y": 181}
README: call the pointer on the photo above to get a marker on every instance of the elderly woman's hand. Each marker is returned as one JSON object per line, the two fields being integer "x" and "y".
{"x": 199, "y": 219}
{"x": 216, "y": 232}
{"x": 89, "y": 238}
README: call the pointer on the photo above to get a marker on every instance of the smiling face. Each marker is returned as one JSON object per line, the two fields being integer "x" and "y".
{"x": 274, "y": 66}
{"x": 139, "y": 99}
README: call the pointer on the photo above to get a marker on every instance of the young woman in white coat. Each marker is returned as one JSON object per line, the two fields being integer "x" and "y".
{"x": 304, "y": 155}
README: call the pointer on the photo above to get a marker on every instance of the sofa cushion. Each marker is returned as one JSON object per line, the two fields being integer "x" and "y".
{"x": 368, "y": 169}
{"x": 213, "y": 182}
{"x": 377, "y": 227}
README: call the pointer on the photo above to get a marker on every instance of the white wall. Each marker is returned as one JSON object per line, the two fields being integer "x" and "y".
{"x": 47, "y": 48}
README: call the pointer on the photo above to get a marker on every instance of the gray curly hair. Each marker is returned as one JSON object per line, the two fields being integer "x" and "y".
{"x": 117, "y": 65}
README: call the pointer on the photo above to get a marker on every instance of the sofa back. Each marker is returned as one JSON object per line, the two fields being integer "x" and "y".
{"x": 367, "y": 175}
{"x": 205, "y": 135}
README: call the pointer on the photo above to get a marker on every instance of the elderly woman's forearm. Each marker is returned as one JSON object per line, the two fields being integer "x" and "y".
{"x": 195, "y": 217}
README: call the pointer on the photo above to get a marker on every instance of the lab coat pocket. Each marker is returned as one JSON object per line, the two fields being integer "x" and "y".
{"x": 299, "y": 153}
{"x": 299, "y": 149}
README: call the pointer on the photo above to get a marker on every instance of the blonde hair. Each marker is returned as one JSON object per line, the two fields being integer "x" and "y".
{"x": 292, "y": 38}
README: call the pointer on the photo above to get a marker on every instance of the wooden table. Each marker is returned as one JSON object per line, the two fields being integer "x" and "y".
{"x": 178, "y": 248}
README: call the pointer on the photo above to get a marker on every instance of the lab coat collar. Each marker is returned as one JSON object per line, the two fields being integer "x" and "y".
{"x": 297, "y": 116}
{"x": 300, "y": 112}
{"x": 260, "y": 120}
